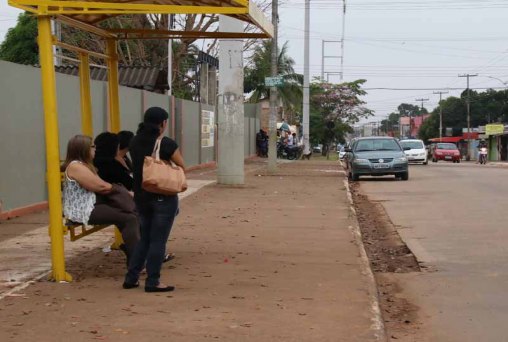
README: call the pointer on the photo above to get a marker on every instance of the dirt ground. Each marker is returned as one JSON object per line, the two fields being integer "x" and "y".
{"x": 273, "y": 260}
{"x": 388, "y": 257}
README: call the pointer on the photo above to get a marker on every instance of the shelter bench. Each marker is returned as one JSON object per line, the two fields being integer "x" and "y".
{"x": 78, "y": 230}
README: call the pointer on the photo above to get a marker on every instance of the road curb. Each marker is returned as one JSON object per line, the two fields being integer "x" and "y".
{"x": 377, "y": 321}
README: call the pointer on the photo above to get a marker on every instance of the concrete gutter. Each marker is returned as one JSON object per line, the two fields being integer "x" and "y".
{"x": 377, "y": 319}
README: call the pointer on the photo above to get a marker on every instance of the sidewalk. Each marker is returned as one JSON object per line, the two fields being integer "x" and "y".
{"x": 273, "y": 260}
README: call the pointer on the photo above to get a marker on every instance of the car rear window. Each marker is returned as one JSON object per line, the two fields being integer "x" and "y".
{"x": 412, "y": 144}
{"x": 446, "y": 147}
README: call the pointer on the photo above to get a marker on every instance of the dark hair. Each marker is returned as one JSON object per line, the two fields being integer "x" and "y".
{"x": 106, "y": 145}
{"x": 124, "y": 139}
{"x": 79, "y": 148}
{"x": 152, "y": 121}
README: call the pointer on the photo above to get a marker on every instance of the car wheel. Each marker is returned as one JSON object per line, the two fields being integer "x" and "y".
{"x": 355, "y": 177}
{"x": 425, "y": 162}
{"x": 434, "y": 160}
{"x": 458, "y": 161}
{"x": 404, "y": 176}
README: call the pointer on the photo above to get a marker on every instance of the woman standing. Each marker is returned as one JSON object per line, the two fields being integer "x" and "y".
{"x": 156, "y": 212}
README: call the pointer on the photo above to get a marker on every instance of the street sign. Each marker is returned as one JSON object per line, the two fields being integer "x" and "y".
{"x": 274, "y": 81}
{"x": 494, "y": 129}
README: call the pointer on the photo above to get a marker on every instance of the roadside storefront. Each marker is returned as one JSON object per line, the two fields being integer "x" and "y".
{"x": 496, "y": 136}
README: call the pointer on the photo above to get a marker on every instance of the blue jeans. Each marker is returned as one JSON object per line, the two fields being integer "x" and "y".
{"x": 156, "y": 216}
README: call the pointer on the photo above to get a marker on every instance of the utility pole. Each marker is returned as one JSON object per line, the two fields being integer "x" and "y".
{"x": 342, "y": 42}
{"x": 468, "y": 106}
{"x": 56, "y": 28}
{"x": 440, "y": 113}
{"x": 324, "y": 57}
{"x": 272, "y": 142}
{"x": 306, "y": 81}
{"x": 422, "y": 100}
{"x": 170, "y": 55}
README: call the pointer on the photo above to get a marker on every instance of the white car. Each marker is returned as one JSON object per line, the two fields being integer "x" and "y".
{"x": 417, "y": 152}
{"x": 342, "y": 152}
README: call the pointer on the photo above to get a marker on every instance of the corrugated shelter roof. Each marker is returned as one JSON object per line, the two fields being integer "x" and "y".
{"x": 92, "y": 12}
{"x": 140, "y": 77}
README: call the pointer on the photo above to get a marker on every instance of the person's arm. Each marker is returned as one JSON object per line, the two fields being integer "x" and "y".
{"x": 120, "y": 174}
{"x": 177, "y": 158}
{"x": 87, "y": 179}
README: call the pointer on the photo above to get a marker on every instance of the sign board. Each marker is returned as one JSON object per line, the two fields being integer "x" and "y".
{"x": 405, "y": 120}
{"x": 274, "y": 81}
{"x": 207, "y": 128}
{"x": 494, "y": 129}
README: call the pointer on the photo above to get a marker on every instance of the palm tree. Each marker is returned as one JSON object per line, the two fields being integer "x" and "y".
{"x": 259, "y": 67}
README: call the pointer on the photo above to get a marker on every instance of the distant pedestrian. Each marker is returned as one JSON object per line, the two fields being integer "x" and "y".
{"x": 290, "y": 140}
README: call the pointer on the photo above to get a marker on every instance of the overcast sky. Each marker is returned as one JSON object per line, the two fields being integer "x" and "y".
{"x": 409, "y": 44}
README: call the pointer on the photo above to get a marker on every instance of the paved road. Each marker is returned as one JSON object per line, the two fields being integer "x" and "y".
{"x": 455, "y": 219}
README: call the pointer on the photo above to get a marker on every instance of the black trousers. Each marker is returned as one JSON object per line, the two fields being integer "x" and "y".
{"x": 127, "y": 223}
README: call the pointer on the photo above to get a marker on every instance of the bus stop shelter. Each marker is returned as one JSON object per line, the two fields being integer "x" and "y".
{"x": 86, "y": 16}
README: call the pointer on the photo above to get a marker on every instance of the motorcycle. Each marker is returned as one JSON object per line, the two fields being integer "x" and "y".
{"x": 288, "y": 152}
{"x": 483, "y": 155}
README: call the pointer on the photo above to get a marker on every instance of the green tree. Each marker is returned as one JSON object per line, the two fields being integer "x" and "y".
{"x": 486, "y": 107}
{"x": 20, "y": 43}
{"x": 406, "y": 109}
{"x": 334, "y": 108}
{"x": 391, "y": 124}
{"x": 259, "y": 67}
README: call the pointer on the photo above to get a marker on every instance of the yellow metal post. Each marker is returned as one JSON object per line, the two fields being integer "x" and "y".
{"x": 86, "y": 99}
{"x": 114, "y": 106}
{"x": 52, "y": 149}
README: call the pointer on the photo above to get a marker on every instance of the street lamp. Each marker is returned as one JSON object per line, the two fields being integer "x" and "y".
{"x": 498, "y": 79}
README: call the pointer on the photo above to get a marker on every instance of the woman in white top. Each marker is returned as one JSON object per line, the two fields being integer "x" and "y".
{"x": 85, "y": 195}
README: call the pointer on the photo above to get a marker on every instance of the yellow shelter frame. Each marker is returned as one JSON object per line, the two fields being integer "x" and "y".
{"x": 85, "y": 15}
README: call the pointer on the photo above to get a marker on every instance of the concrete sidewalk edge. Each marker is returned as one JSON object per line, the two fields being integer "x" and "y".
{"x": 377, "y": 321}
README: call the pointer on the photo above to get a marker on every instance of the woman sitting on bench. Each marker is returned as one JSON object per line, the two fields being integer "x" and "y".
{"x": 88, "y": 199}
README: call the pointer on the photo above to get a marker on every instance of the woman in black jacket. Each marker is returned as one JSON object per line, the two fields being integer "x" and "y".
{"x": 108, "y": 167}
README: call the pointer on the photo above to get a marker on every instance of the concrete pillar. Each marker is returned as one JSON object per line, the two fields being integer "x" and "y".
{"x": 203, "y": 83}
{"x": 212, "y": 85}
{"x": 230, "y": 106}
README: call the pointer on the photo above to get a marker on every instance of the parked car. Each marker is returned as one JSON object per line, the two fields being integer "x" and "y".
{"x": 317, "y": 149}
{"x": 417, "y": 152}
{"x": 376, "y": 156}
{"x": 342, "y": 152}
{"x": 445, "y": 151}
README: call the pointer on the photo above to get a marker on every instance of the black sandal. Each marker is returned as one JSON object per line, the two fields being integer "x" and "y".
{"x": 168, "y": 257}
{"x": 128, "y": 286}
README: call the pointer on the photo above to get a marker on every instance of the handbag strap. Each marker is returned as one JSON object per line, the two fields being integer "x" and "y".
{"x": 156, "y": 149}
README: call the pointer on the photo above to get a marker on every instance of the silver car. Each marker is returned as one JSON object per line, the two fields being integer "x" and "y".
{"x": 376, "y": 156}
